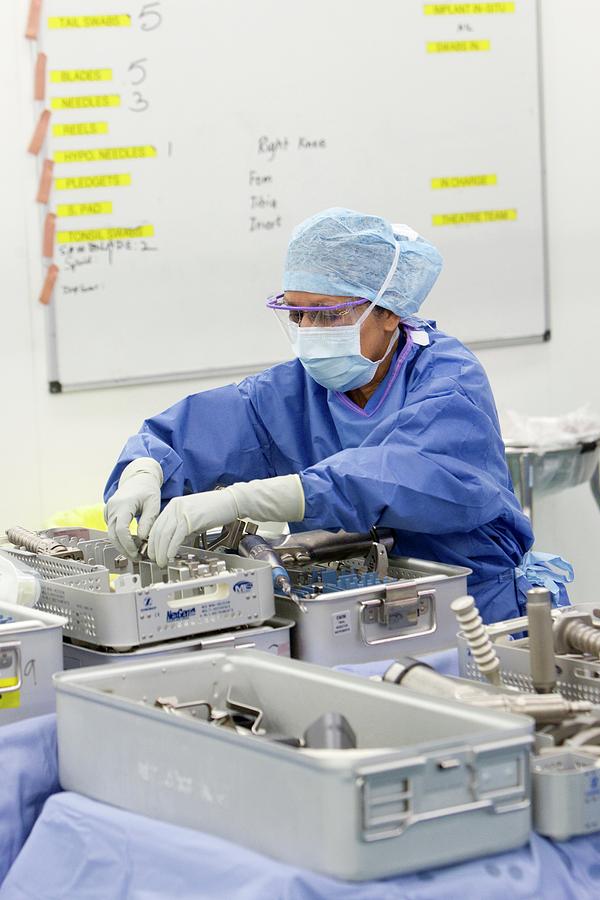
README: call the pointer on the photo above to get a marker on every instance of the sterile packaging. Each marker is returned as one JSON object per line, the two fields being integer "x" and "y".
{"x": 542, "y": 433}
{"x": 19, "y": 583}
{"x": 548, "y": 454}
{"x": 429, "y": 783}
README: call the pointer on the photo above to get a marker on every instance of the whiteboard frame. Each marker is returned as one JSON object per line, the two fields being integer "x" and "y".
{"x": 57, "y": 387}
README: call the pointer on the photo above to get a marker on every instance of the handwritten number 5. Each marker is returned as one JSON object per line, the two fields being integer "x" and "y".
{"x": 151, "y": 18}
{"x": 139, "y": 65}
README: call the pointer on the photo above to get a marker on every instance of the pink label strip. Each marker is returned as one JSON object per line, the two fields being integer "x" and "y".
{"x": 48, "y": 286}
{"x": 45, "y": 186}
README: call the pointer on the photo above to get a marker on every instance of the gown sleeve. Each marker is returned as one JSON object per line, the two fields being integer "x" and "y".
{"x": 439, "y": 470}
{"x": 214, "y": 437}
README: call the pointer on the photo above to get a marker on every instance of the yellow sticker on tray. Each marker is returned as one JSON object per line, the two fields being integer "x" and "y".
{"x": 10, "y": 700}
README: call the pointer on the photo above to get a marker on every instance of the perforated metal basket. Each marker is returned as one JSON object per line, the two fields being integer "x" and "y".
{"x": 138, "y": 613}
{"x": 578, "y": 678}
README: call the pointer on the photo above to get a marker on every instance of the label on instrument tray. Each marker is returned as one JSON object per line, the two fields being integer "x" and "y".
{"x": 341, "y": 622}
{"x": 175, "y": 615}
{"x": 216, "y": 608}
{"x": 11, "y": 700}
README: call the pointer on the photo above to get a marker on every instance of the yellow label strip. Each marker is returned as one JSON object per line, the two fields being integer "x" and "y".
{"x": 91, "y": 181}
{"x": 12, "y": 700}
{"x": 457, "y": 46}
{"x": 61, "y": 76}
{"x": 83, "y": 209}
{"x": 458, "y": 181}
{"x": 76, "y": 129}
{"x": 89, "y": 21}
{"x": 469, "y": 218}
{"x": 89, "y": 101}
{"x": 467, "y": 9}
{"x": 104, "y": 234}
{"x": 103, "y": 154}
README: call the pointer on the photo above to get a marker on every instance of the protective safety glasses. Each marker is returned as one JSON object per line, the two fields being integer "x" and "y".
{"x": 350, "y": 312}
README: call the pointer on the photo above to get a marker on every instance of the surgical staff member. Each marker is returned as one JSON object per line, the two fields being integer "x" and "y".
{"x": 381, "y": 419}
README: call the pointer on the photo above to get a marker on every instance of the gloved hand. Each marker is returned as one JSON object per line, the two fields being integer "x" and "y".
{"x": 138, "y": 494}
{"x": 269, "y": 499}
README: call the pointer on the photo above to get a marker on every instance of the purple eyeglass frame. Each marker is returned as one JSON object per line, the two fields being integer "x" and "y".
{"x": 275, "y": 303}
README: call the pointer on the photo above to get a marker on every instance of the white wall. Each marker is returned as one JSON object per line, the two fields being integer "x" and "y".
{"x": 56, "y": 451}
{"x": 559, "y": 376}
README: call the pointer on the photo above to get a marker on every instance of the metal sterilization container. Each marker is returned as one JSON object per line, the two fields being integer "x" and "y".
{"x": 273, "y": 636}
{"x": 30, "y": 654}
{"x": 409, "y": 614}
{"x": 426, "y": 782}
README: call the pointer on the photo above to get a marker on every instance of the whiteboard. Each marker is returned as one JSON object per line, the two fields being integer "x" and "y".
{"x": 233, "y": 121}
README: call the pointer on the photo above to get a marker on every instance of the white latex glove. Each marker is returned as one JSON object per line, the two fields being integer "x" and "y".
{"x": 138, "y": 494}
{"x": 264, "y": 500}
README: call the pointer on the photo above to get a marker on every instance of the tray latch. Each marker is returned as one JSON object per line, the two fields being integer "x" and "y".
{"x": 386, "y": 800}
{"x": 402, "y": 608}
{"x": 11, "y": 651}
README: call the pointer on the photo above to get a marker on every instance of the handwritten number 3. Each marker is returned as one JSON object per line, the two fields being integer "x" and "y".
{"x": 139, "y": 103}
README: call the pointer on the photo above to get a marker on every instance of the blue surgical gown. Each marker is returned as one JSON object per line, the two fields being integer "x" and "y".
{"x": 424, "y": 457}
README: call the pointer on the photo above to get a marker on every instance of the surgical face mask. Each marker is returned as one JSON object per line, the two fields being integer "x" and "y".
{"x": 331, "y": 354}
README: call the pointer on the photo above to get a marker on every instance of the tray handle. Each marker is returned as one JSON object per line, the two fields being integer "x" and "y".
{"x": 212, "y": 643}
{"x": 389, "y": 604}
{"x": 13, "y": 647}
